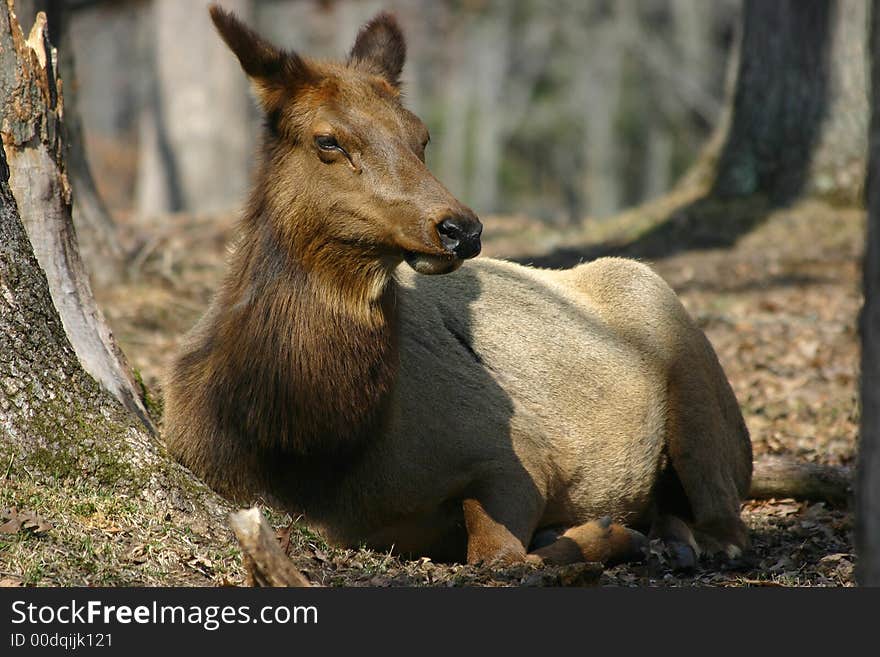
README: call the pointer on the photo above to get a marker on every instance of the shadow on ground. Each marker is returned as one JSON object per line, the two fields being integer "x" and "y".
{"x": 705, "y": 223}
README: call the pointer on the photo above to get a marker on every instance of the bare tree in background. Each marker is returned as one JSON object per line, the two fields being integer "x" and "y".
{"x": 556, "y": 110}
{"x": 868, "y": 510}
{"x": 523, "y": 96}
{"x": 799, "y": 115}
{"x": 96, "y": 230}
{"x": 603, "y": 95}
{"x": 196, "y": 136}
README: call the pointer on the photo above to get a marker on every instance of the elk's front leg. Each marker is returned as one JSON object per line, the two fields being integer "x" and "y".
{"x": 489, "y": 539}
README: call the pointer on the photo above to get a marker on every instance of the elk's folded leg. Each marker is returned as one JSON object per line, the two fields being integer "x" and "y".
{"x": 491, "y": 539}
{"x": 598, "y": 540}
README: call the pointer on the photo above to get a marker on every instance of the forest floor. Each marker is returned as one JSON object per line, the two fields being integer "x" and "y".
{"x": 777, "y": 292}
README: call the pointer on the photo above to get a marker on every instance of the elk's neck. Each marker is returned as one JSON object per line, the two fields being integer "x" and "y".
{"x": 316, "y": 345}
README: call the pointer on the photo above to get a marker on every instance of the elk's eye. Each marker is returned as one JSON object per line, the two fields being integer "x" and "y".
{"x": 326, "y": 143}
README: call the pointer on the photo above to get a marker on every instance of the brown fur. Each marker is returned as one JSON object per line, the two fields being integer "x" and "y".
{"x": 449, "y": 416}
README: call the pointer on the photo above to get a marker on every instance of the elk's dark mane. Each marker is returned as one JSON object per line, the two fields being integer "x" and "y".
{"x": 307, "y": 364}
{"x": 300, "y": 355}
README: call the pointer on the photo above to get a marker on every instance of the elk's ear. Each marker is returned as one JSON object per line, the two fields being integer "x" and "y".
{"x": 276, "y": 74}
{"x": 380, "y": 48}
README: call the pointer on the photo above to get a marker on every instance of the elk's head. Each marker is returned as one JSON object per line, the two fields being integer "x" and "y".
{"x": 343, "y": 150}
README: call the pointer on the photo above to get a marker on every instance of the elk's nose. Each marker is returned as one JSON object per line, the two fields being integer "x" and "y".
{"x": 460, "y": 235}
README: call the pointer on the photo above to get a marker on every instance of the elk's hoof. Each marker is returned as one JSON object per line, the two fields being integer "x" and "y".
{"x": 682, "y": 557}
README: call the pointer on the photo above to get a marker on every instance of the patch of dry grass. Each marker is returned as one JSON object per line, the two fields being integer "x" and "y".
{"x": 108, "y": 537}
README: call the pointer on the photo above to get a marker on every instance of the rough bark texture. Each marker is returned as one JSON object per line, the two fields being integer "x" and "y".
{"x": 800, "y": 113}
{"x": 44, "y": 391}
{"x": 96, "y": 231}
{"x": 33, "y": 110}
{"x": 54, "y": 417}
{"x": 264, "y": 560}
{"x": 868, "y": 492}
{"x": 58, "y": 426}
{"x": 65, "y": 441}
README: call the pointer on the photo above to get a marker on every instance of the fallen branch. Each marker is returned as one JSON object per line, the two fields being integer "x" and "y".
{"x": 779, "y": 477}
{"x": 263, "y": 558}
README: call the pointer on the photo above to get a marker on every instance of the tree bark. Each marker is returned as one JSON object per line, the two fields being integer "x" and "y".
{"x": 96, "y": 231}
{"x": 47, "y": 401}
{"x": 51, "y": 411}
{"x": 868, "y": 487}
{"x": 58, "y": 425}
{"x": 44, "y": 390}
{"x": 33, "y": 110}
{"x": 799, "y": 115}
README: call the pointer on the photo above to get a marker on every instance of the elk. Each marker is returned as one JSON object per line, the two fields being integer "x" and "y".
{"x": 492, "y": 413}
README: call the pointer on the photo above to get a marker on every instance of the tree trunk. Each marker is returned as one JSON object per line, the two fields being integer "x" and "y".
{"x": 799, "y": 115}
{"x": 601, "y": 110}
{"x": 453, "y": 141}
{"x": 48, "y": 403}
{"x": 489, "y": 65}
{"x": 868, "y": 488}
{"x": 95, "y": 227}
{"x": 33, "y": 109}
{"x": 96, "y": 231}
{"x": 196, "y": 131}
{"x": 59, "y": 429}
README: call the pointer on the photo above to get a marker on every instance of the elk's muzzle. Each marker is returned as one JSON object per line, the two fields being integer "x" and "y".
{"x": 460, "y": 235}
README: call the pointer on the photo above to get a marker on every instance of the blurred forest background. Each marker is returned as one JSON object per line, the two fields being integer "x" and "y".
{"x": 556, "y": 110}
